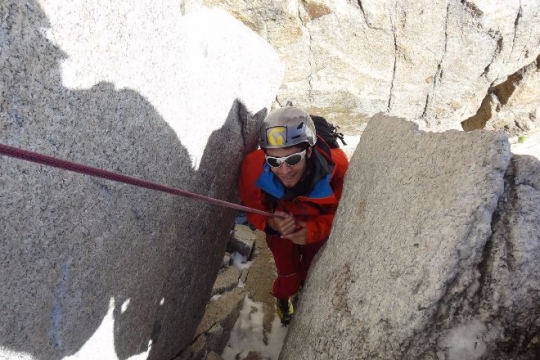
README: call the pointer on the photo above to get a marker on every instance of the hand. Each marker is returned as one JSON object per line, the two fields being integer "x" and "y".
{"x": 284, "y": 224}
{"x": 298, "y": 237}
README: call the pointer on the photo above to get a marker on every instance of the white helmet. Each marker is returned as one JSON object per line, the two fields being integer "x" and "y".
{"x": 286, "y": 127}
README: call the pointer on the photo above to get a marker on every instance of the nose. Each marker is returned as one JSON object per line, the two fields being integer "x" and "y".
{"x": 284, "y": 169}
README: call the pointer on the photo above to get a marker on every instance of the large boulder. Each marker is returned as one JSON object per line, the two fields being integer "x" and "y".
{"x": 432, "y": 61}
{"x": 417, "y": 265}
{"x": 102, "y": 270}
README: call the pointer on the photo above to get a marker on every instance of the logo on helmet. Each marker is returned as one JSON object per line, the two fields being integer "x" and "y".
{"x": 276, "y": 136}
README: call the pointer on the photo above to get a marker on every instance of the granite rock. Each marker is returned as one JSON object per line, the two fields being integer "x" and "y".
{"x": 242, "y": 241}
{"x": 431, "y": 61}
{"x": 408, "y": 238}
{"x": 93, "y": 268}
{"x": 226, "y": 280}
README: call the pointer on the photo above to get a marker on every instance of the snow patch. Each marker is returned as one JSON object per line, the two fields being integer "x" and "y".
{"x": 240, "y": 261}
{"x": 247, "y": 335}
{"x": 467, "y": 342}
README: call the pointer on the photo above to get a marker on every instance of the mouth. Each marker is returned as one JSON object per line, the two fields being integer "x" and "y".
{"x": 288, "y": 177}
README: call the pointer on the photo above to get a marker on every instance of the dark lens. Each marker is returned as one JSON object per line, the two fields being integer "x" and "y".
{"x": 294, "y": 159}
{"x": 272, "y": 162}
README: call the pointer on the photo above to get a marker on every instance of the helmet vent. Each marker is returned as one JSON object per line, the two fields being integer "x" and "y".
{"x": 300, "y": 126}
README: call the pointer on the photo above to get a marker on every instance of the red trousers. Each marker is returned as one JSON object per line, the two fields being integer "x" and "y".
{"x": 292, "y": 263}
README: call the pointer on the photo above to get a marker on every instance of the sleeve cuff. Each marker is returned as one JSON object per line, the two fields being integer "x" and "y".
{"x": 269, "y": 231}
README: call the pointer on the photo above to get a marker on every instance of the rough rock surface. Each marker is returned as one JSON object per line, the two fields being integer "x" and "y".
{"x": 222, "y": 311}
{"x": 242, "y": 241}
{"x": 97, "y": 269}
{"x": 407, "y": 248}
{"x": 433, "y": 61}
{"x": 509, "y": 295}
{"x": 513, "y": 106}
{"x": 215, "y": 326}
{"x": 226, "y": 280}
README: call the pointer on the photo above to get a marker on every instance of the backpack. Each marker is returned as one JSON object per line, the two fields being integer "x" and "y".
{"x": 327, "y": 131}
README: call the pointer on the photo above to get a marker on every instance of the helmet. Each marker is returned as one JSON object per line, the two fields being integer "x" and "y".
{"x": 286, "y": 127}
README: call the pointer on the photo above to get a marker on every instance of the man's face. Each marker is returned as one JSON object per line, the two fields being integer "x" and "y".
{"x": 289, "y": 175}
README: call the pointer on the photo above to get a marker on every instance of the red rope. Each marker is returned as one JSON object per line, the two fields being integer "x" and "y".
{"x": 109, "y": 175}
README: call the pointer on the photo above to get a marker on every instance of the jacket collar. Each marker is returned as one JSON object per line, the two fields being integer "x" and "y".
{"x": 270, "y": 183}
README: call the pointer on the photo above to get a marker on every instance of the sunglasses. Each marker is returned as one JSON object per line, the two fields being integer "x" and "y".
{"x": 291, "y": 160}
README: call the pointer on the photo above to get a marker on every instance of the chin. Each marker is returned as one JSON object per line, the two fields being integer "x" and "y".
{"x": 289, "y": 183}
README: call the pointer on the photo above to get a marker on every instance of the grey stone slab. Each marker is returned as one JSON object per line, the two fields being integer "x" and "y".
{"x": 219, "y": 318}
{"x": 244, "y": 275}
{"x": 146, "y": 91}
{"x": 242, "y": 240}
{"x": 226, "y": 280}
{"x": 227, "y": 260}
{"x": 410, "y": 231}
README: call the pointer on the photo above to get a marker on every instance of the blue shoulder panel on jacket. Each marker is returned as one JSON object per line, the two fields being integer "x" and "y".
{"x": 322, "y": 189}
{"x": 268, "y": 182}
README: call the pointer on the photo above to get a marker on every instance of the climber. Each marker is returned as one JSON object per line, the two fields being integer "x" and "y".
{"x": 298, "y": 177}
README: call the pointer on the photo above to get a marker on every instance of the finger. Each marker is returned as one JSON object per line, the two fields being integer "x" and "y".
{"x": 285, "y": 222}
{"x": 289, "y": 222}
{"x": 288, "y": 228}
{"x": 281, "y": 215}
{"x": 298, "y": 237}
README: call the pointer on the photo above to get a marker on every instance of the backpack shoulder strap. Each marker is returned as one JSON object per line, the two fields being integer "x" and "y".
{"x": 328, "y": 131}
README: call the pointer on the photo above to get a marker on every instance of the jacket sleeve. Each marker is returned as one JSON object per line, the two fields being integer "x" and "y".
{"x": 249, "y": 193}
{"x": 342, "y": 164}
{"x": 318, "y": 228}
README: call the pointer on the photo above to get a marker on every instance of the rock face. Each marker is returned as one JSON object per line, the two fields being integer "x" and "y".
{"x": 513, "y": 106}
{"x": 418, "y": 266}
{"x": 510, "y": 283}
{"x": 96, "y": 269}
{"x": 222, "y": 311}
{"x": 432, "y": 61}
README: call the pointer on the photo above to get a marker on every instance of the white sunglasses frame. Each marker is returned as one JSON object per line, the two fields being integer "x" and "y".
{"x": 283, "y": 160}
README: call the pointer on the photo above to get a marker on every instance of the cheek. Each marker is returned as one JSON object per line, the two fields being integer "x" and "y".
{"x": 302, "y": 168}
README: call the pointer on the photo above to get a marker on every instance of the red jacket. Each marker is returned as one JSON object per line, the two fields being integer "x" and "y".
{"x": 316, "y": 209}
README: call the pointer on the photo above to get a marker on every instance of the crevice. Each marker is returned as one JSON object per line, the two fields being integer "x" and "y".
{"x": 472, "y": 9}
{"x": 482, "y": 116}
{"x": 505, "y": 205}
{"x": 437, "y": 77}
{"x": 483, "y": 266}
{"x": 496, "y": 97}
{"x": 310, "y": 52}
{"x": 425, "y": 107}
{"x": 311, "y": 66}
{"x": 529, "y": 184}
{"x": 365, "y": 16}
{"x": 362, "y": 10}
{"x": 516, "y": 23}
{"x": 498, "y": 49}
{"x": 249, "y": 124}
{"x": 394, "y": 33}
{"x": 242, "y": 116}
{"x": 504, "y": 91}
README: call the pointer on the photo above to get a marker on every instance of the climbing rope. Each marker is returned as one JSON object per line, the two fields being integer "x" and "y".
{"x": 109, "y": 175}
